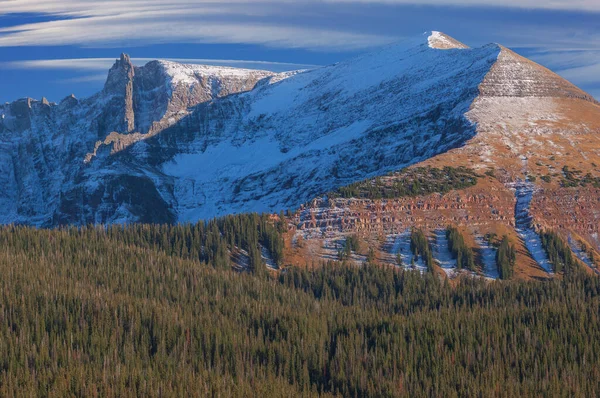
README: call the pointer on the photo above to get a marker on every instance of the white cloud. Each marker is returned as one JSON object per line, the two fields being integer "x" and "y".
{"x": 583, "y": 75}
{"x": 131, "y": 22}
{"x": 116, "y": 23}
{"x": 582, "y": 5}
{"x": 113, "y": 7}
{"x": 103, "y": 64}
{"x": 95, "y": 78}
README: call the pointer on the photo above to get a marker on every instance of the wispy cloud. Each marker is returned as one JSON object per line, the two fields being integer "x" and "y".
{"x": 136, "y": 22}
{"x": 93, "y": 78}
{"x": 583, "y": 74}
{"x": 582, "y": 5}
{"x": 111, "y": 7}
{"x": 117, "y": 23}
{"x": 103, "y": 64}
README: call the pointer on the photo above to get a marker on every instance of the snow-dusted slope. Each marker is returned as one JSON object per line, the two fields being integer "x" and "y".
{"x": 442, "y": 41}
{"x": 169, "y": 142}
{"x": 279, "y": 145}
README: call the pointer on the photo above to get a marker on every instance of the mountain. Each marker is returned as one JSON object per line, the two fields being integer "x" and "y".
{"x": 168, "y": 142}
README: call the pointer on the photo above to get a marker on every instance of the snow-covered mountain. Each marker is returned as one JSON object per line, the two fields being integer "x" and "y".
{"x": 169, "y": 142}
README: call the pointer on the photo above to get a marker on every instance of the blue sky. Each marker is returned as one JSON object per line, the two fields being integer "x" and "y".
{"x": 53, "y": 48}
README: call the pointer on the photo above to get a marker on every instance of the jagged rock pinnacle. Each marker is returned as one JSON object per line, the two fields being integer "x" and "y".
{"x": 119, "y": 84}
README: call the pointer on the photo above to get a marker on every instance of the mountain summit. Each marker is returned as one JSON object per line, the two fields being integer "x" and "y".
{"x": 442, "y": 41}
{"x": 168, "y": 142}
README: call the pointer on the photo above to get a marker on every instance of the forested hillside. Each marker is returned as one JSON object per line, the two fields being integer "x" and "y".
{"x": 159, "y": 311}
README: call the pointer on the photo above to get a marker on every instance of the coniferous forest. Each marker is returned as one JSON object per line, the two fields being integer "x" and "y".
{"x": 149, "y": 310}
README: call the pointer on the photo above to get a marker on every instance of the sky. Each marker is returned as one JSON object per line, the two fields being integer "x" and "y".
{"x": 56, "y": 48}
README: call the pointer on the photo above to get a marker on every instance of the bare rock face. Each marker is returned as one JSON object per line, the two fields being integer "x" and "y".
{"x": 165, "y": 91}
{"x": 68, "y": 102}
{"x": 21, "y": 115}
{"x": 120, "y": 115}
{"x": 484, "y": 206}
{"x": 156, "y": 96}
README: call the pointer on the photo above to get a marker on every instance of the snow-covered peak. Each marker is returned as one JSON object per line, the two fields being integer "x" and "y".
{"x": 442, "y": 41}
{"x": 189, "y": 74}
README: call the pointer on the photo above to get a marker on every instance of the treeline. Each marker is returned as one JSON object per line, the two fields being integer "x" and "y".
{"x": 123, "y": 312}
{"x": 463, "y": 254}
{"x": 418, "y": 181}
{"x": 208, "y": 242}
{"x": 559, "y": 253}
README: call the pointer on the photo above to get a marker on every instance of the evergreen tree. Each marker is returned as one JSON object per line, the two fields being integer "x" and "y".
{"x": 465, "y": 259}
{"x": 506, "y": 257}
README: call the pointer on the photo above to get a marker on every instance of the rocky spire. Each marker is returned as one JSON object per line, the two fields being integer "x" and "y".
{"x": 119, "y": 84}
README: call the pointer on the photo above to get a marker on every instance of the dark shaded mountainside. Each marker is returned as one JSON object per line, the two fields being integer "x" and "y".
{"x": 495, "y": 144}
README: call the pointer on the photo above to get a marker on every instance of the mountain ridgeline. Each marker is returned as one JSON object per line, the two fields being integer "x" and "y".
{"x": 168, "y": 142}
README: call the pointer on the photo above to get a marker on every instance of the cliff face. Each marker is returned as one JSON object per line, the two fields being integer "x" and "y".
{"x": 120, "y": 115}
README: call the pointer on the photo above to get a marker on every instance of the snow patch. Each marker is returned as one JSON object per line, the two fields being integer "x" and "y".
{"x": 401, "y": 246}
{"x": 267, "y": 259}
{"x": 581, "y": 255}
{"x": 441, "y": 41}
{"x": 191, "y": 74}
{"x": 523, "y": 219}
